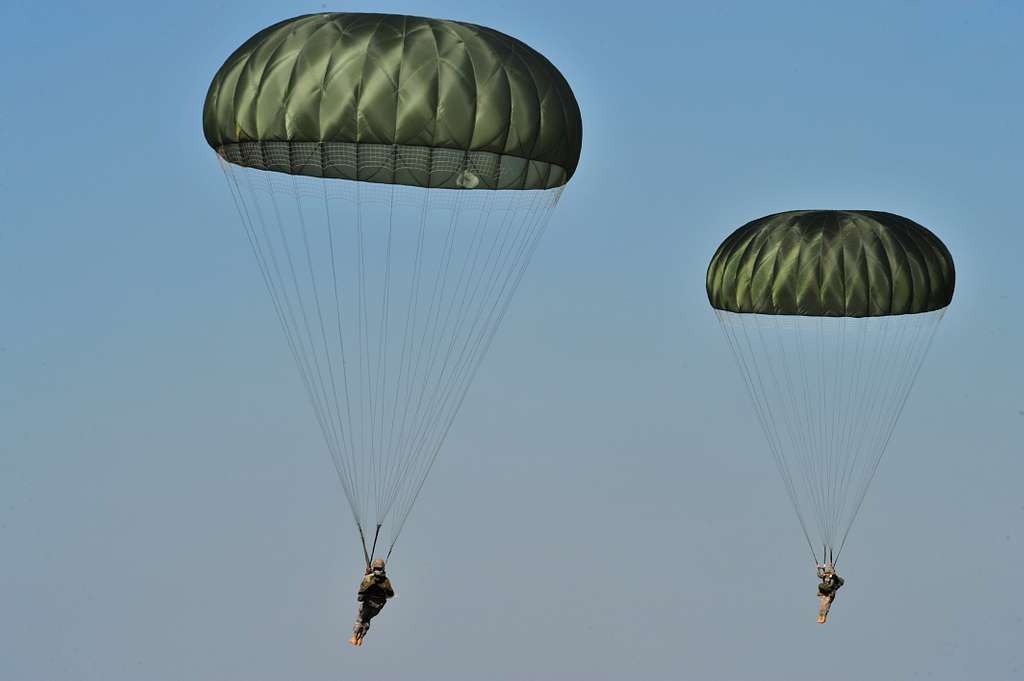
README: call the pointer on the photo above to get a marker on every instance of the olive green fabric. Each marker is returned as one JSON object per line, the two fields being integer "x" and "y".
{"x": 397, "y": 99}
{"x": 831, "y": 263}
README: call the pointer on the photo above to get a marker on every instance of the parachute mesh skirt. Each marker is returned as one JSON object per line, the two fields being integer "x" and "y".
{"x": 828, "y": 392}
{"x": 389, "y": 296}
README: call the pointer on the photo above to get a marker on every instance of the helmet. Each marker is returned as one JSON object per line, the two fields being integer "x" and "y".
{"x": 377, "y": 565}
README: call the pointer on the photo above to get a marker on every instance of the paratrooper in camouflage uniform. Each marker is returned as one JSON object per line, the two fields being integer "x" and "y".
{"x": 830, "y": 583}
{"x": 374, "y": 592}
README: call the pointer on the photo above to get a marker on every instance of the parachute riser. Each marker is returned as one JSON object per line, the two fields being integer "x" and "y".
{"x": 373, "y": 550}
{"x": 362, "y": 541}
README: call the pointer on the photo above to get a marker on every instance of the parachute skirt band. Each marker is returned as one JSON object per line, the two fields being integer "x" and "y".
{"x": 389, "y": 297}
{"x": 397, "y": 164}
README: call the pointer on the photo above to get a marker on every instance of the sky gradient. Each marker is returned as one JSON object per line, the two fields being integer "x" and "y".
{"x": 605, "y": 506}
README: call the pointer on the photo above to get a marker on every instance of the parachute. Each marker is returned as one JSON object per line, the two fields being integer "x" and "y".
{"x": 830, "y": 314}
{"x": 394, "y": 175}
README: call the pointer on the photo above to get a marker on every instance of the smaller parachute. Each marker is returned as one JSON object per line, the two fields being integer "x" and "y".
{"x": 830, "y": 314}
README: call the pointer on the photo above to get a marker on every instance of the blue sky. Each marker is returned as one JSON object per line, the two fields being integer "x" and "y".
{"x": 605, "y": 506}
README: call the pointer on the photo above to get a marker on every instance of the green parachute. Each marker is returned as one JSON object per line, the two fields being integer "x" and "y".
{"x": 395, "y": 99}
{"x": 830, "y": 315}
{"x": 394, "y": 175}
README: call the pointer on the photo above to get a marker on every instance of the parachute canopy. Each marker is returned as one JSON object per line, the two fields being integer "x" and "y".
{"x": 395, "y": 99}
{"x": 831, "y": 263}
{"x": 830, "y": 315}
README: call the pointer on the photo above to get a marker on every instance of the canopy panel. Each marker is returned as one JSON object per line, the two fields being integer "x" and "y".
{"x": 380, "y": 97}
{"x": 831, "y": 263}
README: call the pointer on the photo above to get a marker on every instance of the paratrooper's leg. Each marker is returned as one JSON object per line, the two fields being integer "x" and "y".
{"x": 359, "y": 630}
{"x": 367, "y": 611}
{"x": 362, "y": 625}
{"x": 823, "y": 607}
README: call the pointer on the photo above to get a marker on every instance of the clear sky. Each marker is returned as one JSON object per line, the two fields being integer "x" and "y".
{"x": 605, "y": 507}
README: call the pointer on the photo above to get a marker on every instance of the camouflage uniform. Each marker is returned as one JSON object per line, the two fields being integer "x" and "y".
{"x": 830, "y": 583}
{"x": 374, "y": 591}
